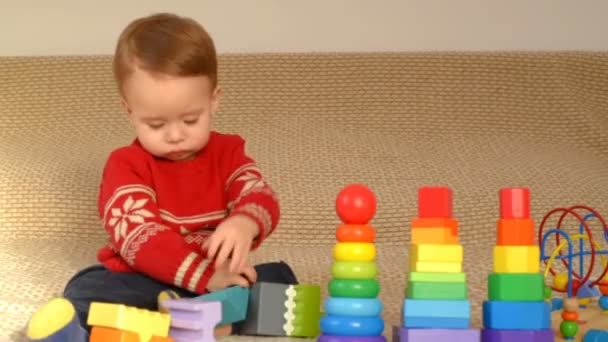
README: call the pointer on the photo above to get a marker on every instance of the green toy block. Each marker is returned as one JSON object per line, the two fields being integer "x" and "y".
{"x": 432, "y": 290}
{"x": 283, "y": 310}
{"x": 234, "y": 303}
{"x": 520, "y": 287}
{"x": 435, "y": 277}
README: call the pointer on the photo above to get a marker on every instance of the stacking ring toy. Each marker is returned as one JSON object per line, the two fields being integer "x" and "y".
{"x": 351, "y": 325}
{"x": 354, "y": 288}
{"x": 354, "y": 251}
{"x": 356, "y": 233}
{"x": 337, "y": 338}
{"x": 354, "y": 270}
{"x": 362, "y": 307}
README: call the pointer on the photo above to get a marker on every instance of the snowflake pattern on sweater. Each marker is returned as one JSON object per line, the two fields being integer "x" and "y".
{"x": 158, "y": 213}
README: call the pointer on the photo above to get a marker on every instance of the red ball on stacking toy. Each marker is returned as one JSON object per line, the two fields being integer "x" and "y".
{"x": 356, "y": 204}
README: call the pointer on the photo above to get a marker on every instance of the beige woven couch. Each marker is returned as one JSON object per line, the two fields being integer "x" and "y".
{"x": 315, "y": 122}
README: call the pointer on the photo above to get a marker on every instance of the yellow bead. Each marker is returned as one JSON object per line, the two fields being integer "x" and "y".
{"x": 354, "y": 251}
{"x": 560, "y": 281}
{"x": 516, "y": 259}
{"x": 436, "y": 253}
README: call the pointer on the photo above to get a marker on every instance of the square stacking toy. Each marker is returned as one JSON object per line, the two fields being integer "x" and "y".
{"x": 435, "y": 335}
{"x": 491, "y": 335}
{"x": 283, "y": 310}
{"x": 516, "y": 259}
{"x": 516, "y": 287}
{"x": 516, "y": 315}
{"x": 440, "y": 314}
{"x": 234, "y": 303}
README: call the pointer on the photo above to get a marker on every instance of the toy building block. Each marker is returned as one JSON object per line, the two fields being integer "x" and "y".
{"x": 435, "y": 267}
{"x": 283, "y": 310}
{"x": 439, "y": 236}
{"x": 516, "y": 287}
{"x": 516, "y": 259}
{"x": 514, "y": 203}
{"x": 436, "y": 290}
{"x": 515, "y": 232}
{"x": 595, "y": 335}
{"x": 440, "y": 314}
{"x": 193, "y": 320}
{"x": 430, "y": 222}
{"x": 118, "y": 316}
{"x": 435, "y": 335}
{"x": 435, "y": 202}
{"x": 101, "y": 334}
{"x": 494, "y": 335}
{"x": 516, "y": 315}
{"x": 234, "y": 303}
{"x": 436, "y": 253}
{"x": 56, "y": 321}
{"x": 437, "y": 277}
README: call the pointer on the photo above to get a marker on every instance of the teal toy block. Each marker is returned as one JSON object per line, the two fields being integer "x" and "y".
{"x": 234, "y": 301}
{"x": 516, "y": 315}
{"x": 427, "y": 308}
{"x": 596, "y": 336}
{"x": 436, "y": 323}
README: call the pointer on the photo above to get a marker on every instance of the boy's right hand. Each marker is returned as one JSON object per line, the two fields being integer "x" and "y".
{"x": 222, "y": 277}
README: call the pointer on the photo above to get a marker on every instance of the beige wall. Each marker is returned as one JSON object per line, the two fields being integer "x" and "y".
{"x": 91, "y": 27}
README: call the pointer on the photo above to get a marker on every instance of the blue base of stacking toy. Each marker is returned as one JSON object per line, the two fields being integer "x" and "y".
{"x": 72, "y": 332}
{"x": 596, "y": 336}
{"x": 516, "y": 315}
{"x": 337, "y": 338}
{"x": 439, "y": 314}
{"x": 351, "y": 325}
{"x": 435, "y": 335}
{"x": 492, "y": 335}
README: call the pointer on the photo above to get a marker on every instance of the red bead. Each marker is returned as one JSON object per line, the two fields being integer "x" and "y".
{"x": 514, "y": 203}
{"x": 575, "y": 286}
{"x": 356, "y": 204}
{"x": 569, "y": 316}
{"x": 435, "y": 202}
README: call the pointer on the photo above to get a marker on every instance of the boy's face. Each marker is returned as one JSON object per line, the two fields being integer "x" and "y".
{"x": 171, "y": 115}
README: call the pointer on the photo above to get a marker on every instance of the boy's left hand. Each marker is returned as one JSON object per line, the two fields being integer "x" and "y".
{"x": 232, "y": 239}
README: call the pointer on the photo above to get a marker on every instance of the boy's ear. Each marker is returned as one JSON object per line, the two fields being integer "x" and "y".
{"x": 216, "y": 99}
{"x": 126, "y": 107}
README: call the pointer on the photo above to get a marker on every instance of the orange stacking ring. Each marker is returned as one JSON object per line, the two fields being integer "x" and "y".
{"x": 356, "y": 233}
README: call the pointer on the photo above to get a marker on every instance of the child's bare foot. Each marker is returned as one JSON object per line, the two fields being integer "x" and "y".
{"x": 224, "y": 330}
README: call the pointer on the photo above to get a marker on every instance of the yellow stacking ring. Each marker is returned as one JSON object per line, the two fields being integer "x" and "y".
{"x": 354, "y": 251}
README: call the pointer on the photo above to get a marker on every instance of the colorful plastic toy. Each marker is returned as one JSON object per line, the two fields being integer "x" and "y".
{"x": 436, "y": 305}
{"x": 596, "y": 336}
{"x": 516, "y": 309}
{"x": 234, "y": 303}
{"x": 144, "y": 323}
{"x": 353, "y": 311}
{"x": 283, "y": 310}
{"x": 193, "y": 320}
{"x": 56, "y": 321}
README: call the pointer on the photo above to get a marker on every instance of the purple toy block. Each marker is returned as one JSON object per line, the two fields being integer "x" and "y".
{"x": 493, "y": 335}
{"x": 336, "y": 338}
{"x": 431, "y": 335}
{"x": 193, "y": 320}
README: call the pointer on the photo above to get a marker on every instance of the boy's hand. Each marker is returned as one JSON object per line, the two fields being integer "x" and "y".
{"x": 223, "y": 278}
{"x": 232, "y": 239}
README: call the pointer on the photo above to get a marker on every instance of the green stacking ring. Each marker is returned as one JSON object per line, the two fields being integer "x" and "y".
{"x": 354, "y": 288}
{"x": 354, "y": 269}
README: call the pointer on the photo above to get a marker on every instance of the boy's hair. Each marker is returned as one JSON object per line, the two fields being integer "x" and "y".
{"x": 165, "y": 43}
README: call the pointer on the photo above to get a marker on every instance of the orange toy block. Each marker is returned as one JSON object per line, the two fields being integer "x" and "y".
{"x": 161, "y": 339}
{"x": 515, "y": 232}
{"x": 101, "y": 334}
{"x": 433, "y": 236}
{"x": 436, "y": 223}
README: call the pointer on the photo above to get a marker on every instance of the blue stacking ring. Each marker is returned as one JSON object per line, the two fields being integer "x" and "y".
{"x": 363, "y": 307}
{"x": 352, "y": 325}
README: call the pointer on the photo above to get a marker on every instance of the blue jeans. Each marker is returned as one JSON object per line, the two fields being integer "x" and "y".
{"x": 98, "y": 284}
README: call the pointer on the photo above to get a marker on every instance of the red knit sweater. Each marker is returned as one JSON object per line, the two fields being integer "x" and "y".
{"x": 158, "y": 212}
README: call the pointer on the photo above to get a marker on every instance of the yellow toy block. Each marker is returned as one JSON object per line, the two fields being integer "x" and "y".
{"x": 436, "y": 267}
{"x": 516, "y": 259}
{"x": 434, "y": 236}
{"x": 143, "y": 322}
{"x": 436, "y": 253}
